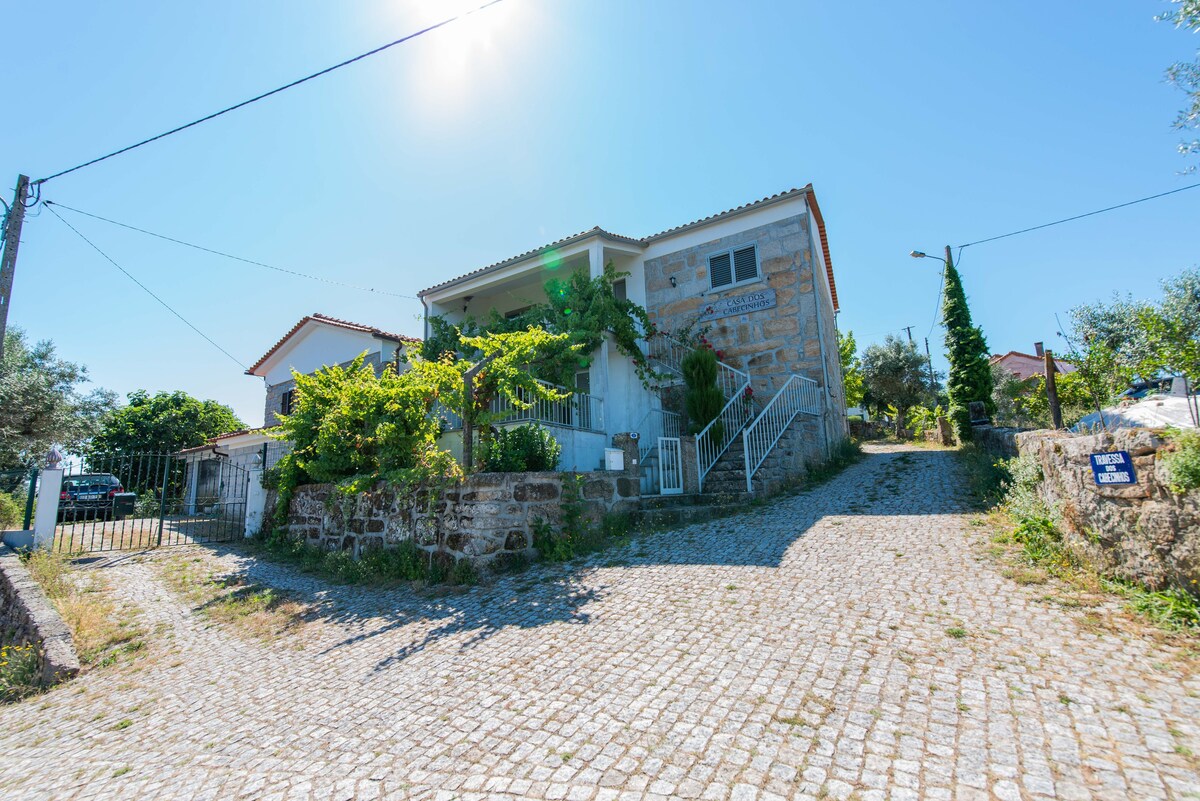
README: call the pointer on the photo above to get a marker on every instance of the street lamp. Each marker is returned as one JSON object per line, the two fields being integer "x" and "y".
{"x": 949, "y": 262}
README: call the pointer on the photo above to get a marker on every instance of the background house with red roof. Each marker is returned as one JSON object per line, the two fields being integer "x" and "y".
{"x": 1027, "y": 365}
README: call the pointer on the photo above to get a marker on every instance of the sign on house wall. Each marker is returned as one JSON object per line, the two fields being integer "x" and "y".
{"x": 1115, "y": 467}
{"x": 757, "y": 300}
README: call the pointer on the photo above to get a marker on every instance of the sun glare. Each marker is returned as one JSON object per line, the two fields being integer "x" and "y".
{"x": 460, "y": 55}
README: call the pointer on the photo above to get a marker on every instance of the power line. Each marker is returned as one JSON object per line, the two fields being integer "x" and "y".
{"x": 284, "y": 270}
{"x": 1078, "y": 216}
{"x": 147, "y": 289}
{"x": 265, "y": 95}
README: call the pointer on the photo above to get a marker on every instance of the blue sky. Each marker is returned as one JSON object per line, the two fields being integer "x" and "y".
{"x": 920, "y": 124}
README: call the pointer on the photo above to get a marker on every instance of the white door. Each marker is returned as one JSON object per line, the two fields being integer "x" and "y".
{"x": 670, "y": 466}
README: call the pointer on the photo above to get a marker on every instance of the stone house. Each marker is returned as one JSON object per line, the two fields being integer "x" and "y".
{"x": 759, "y": 277}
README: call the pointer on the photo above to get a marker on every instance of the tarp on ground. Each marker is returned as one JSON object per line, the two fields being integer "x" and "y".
{"x": 1156, "y": 411}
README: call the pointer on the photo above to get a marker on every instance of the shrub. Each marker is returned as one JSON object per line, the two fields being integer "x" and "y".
{"x": 1183, "y": 463}
{"x": 921, "y": 419}
{"x": 986, "y": 475}
{"x": 20, "y": 675}
{"x": 147, "y": 504}
{"x": 519, "y": 449}
{"x": 12, "y": 513}
{"x": 703, "y": 400}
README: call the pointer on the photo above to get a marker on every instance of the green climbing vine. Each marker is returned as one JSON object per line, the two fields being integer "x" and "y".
{"x": 584, "y": 310}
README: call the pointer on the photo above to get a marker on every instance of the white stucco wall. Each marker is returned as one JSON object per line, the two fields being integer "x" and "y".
{"x": 320, "y": 346}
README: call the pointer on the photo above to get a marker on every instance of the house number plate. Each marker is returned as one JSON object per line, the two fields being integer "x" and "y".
{"x": 758, "y": 300}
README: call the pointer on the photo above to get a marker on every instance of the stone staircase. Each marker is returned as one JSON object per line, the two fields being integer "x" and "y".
{"x": 659, "y": 511}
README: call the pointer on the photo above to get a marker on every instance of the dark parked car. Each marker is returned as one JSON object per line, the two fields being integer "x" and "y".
{"x": 91, "y": 495}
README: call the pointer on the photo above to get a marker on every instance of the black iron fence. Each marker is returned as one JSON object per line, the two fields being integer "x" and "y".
{"x": 126, "y": 501}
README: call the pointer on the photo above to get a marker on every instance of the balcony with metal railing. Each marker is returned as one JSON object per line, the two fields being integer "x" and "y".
{"x": 579, "y": 411}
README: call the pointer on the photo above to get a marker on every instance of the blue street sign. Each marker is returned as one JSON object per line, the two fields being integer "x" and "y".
{"x": 1113, "y": 468}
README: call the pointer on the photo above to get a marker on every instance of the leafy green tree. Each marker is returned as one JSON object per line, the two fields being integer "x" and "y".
{"x": 41, "y": 404}
{"x": 1123, "y": 339}
{"x": 1171, "y": 329}
{"x": 348, "y": 421}
{"x": 970, "y": 377}
{"x": 1185, "y": 75}
{"x": 165, "y": 422}
{"x": 852, "y": 377}
{"x": 1024, "y": 404}
{"x": 894, "y": 375}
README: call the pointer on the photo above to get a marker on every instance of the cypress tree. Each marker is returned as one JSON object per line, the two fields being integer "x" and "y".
{"x": 970, "y": 376}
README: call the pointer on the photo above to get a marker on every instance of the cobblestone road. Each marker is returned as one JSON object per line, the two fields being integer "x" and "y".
{"x": 798, "y": 650}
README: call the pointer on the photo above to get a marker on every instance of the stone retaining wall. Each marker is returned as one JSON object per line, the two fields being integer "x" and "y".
{"x": 27, "y": 616}
{"x": 1000, "y": 441}
{"x": 1143, "y": 531}
{"x": 487, "y": 516}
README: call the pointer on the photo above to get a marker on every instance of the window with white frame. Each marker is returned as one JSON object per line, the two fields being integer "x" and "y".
{"x": 732, "y": 267}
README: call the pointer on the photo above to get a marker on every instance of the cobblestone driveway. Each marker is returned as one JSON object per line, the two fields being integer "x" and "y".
{"x": 799, "y": 650}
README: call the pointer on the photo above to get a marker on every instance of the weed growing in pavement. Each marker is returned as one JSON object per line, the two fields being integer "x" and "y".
{"x": 577, "y": 535}
{"x": 260, "y": 611}
{"x": 102, "y": 630}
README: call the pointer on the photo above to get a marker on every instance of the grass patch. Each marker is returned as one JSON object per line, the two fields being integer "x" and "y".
{"x": 578, "y": 537}
{"x": 957, "y": 632}
{"x": 1027, "y": 526}
{"x": 103, "y": 631}
{"x": 1172, "y": 609}
{"x": 253, "y": 609}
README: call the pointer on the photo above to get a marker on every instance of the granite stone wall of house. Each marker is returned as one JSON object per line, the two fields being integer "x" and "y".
{"x": 482, "y": 519}
{"x": 792, "y": 333}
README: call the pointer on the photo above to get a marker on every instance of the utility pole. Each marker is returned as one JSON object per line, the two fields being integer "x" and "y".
{"x": 909, "y": 329}
{"x": 1052, "y": 390}
{"x": 8, "y": 262}
{"x": 932, "y": 380}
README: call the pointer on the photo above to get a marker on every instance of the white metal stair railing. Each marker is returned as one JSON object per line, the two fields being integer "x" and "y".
{"x": 797, "y": 396}
{"x": 733, "y": 384}
{"x": 732, "y": 418}
{"x": 670, "y": 354}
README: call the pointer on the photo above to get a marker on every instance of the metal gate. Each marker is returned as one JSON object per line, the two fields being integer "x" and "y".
{"x": 117, "y": 502}
{"x": 670, "y": 466}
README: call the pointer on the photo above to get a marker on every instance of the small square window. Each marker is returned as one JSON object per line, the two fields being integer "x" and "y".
{"x": 733, "y": 267}
{"x": 619, "y": 289}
